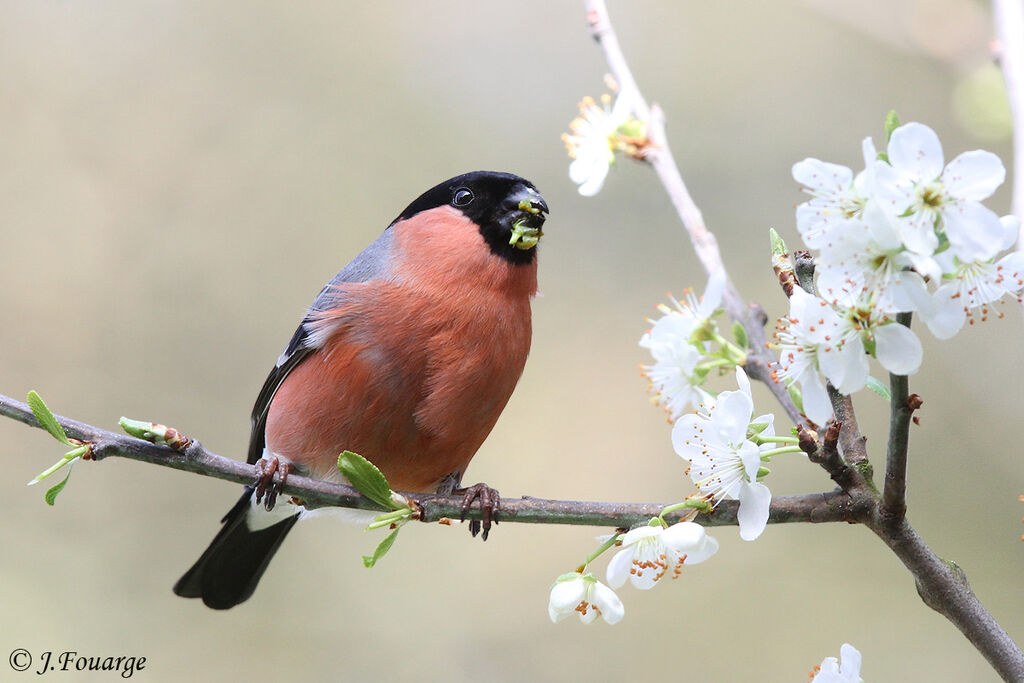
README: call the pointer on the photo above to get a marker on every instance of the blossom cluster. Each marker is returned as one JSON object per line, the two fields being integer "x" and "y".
{"x": 597, "y": 134}
{"x": 907, "y": 234}
{"x": 647, "y": 555}
{"x": 679, "y": 342}
{"x": 725, "y": 447}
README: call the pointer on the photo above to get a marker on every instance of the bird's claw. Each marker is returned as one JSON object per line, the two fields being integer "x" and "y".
{"x": 490, "y": 503}
{"x": 265, "y": 483}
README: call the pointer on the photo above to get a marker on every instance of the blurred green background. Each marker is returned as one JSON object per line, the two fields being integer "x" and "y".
{"x": 178, "y": 179}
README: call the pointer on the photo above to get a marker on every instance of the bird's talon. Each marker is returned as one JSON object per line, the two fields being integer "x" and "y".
{"x": 266, "y": 485}
{"x": 490, "y": 502}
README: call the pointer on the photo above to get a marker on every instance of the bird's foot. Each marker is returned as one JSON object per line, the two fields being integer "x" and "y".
{"x": 265, "y": 483}
{"x": 490, "y": 502}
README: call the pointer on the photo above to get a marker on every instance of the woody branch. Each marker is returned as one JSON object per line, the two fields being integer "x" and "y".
{"x": 833, "y": 506}
{"x": 942, "y": 585}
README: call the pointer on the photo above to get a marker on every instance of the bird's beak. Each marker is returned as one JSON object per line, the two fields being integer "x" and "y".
{"x": 526, "y": 228}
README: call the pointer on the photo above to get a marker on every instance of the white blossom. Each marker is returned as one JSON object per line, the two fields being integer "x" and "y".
{"x": 650, "y": 552}
{"x": 724, "y": 463}
{"x": 929, "y": 199}
{"x": 832, "y": 671}
{"x": 584, "y": 595}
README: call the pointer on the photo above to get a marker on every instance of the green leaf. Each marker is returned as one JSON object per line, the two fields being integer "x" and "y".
{"x": 381, "y": 550}
{"x": 46, "y": 418}
{"x": 778, "y": 244}
{"x": 51, "y": 495}
{"x": 740, "y": 335}
{"x": 892, "y": 122}
{"x": 794, "y": 394}
{"x": 69, "y": 458}
{"x": 365, "y": 476}
{"x": 879, "y": 388}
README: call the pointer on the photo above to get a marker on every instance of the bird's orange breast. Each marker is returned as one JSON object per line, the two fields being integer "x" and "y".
{"x": 416, "y": 368}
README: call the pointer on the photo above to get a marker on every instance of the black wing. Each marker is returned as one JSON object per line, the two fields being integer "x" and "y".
{"x": 371, "y": 263}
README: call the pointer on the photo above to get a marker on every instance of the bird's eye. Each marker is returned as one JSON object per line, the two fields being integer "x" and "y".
{"x": 462, "y": 197}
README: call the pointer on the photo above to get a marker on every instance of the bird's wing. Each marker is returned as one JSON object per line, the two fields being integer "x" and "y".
{"x": 370, "y": 264}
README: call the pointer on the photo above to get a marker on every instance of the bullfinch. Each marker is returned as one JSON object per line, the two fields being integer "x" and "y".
{"x": 407, "y": 357}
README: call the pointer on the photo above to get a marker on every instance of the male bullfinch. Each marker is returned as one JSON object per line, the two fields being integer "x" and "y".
{"x": 406, "y": 357}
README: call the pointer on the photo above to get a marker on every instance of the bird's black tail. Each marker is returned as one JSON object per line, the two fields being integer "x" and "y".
{"x": 226, "y": 574}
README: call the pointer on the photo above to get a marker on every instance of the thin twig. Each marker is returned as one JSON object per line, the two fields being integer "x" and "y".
{"x": 1009, "y": 21}
{"x": 659, "y": 155}
{"x": 894, "y": 491}
{"x": 833, "y": 506}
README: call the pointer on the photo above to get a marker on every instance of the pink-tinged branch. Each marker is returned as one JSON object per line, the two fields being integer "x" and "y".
{"x": 659, "y": 155}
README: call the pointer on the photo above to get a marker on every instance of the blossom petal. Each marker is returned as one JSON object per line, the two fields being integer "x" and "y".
{"x": 918, "y": 232}
{"x": 945, "y": 315}
{"x": 608, "y": 603}
{"x": 892, "y": 191}
{"x": 744, "y": 384}
{"x": 1011, "y": 231}
{"x": 709, "y": 548}
{"x": 753, "y": 512}
{"x": 565, "y": 596}
{"x": 883, "y": 227}
{"x": 589, "y": 174}
{"x": 851, "y": 662}
{"x": 898, "y": 349}
{"x": 732, "y": 415}
{"x": 683, "y": 436}
{"x": 1011, "y": 268}
{"x": 974, "y": 231}
{"x": 915, "y": 150}
{"x": 618, "y": 568}
{"x": 712, "y": 298}
{"x": 690, "y": 539}
{"x": 846, "y": 366}
{"x": 817, "y": 405}
{"x": 684, "y": 536}
{"x": 822, "y": 176}
{"x": 750, "y": 455}
{"x": 974, "y": 175}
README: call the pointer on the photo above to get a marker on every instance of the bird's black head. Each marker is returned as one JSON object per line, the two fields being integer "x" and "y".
{"x": 508, "y": 209}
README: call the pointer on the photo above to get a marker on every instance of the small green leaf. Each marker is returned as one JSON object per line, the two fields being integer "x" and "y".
{"x": 740, "y": 335}
{"x": 46, "y": 418}
{"x": 69, "y": 458}
{"x": 755, "y": 428}
{"x": 778, "y": 244}
{"x": 51, "y": 495}
{"x": 796, "y": 396}
{"x": 892, "y": 122}
{"x": 381, "y": 550}
{"x": 879, "y": 388}
{"x": 365, "y": 476}
{"x": 140, "y": 429}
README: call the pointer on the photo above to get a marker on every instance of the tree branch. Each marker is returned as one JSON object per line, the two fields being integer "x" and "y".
{"x": 1009, "y": 52}
{"x": 1009, "y": 21}
{"x": 901, "y": 409}
{"x": 833, "y": 506}
{"x": 659, "y": 156}
{"x": 941, "y": 585}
